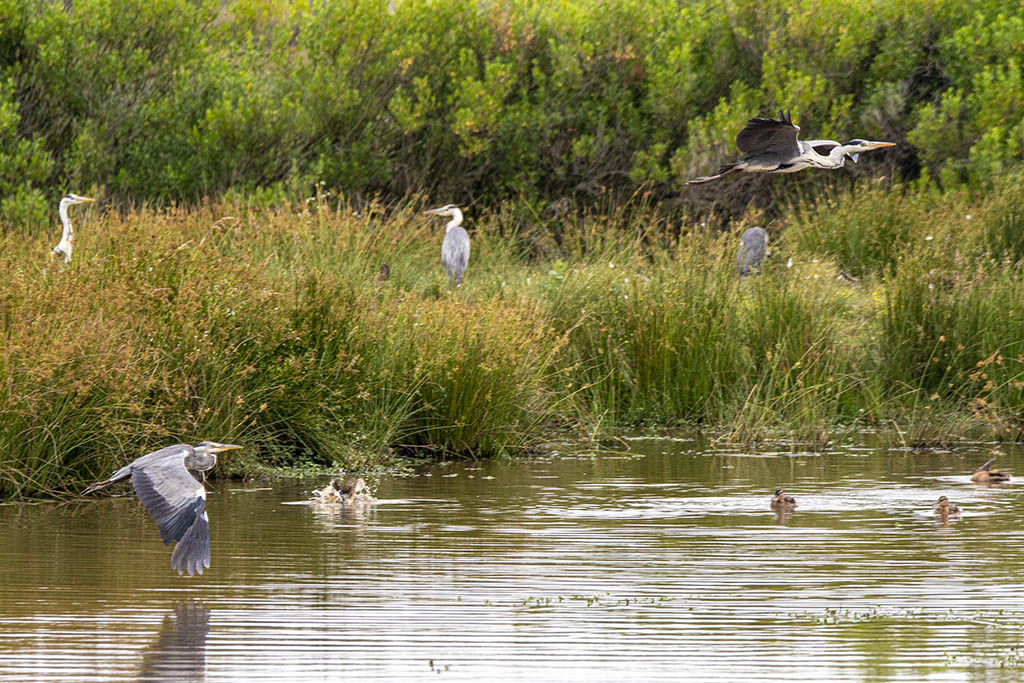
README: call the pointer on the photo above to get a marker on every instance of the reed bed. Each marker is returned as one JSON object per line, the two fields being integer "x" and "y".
{"x": 266, "y": 327}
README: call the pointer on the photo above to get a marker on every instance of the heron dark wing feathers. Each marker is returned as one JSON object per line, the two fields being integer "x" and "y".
{"x": 767, "y": 135}
{"x": 171, "y": 496}
{"x": 192, "y": 553}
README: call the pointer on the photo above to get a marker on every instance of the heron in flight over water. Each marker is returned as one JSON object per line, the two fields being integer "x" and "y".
{"x": 770, "y": 146}
{"x": 753, "y": 245}
{"x": 175, "y": 498}
{"x": 455, "y": 249}
{"x": 67, "y": 238}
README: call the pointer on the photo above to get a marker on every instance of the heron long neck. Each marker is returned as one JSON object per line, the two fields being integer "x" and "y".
{"x": 456, "y": 220}
{"x": 837, "y": 156}
{"x": 200, "y": 461}
{"x": 67, "y": 235}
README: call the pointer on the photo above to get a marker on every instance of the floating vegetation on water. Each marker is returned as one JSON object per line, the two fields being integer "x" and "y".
{"x": 605, "y": 600}
{"x": 840, "y": 615}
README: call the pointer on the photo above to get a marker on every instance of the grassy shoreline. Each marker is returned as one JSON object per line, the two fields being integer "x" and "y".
{"x": 900, "y": 310}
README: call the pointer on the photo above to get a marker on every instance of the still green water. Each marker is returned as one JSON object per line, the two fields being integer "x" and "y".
{"x": 664, "y": 563}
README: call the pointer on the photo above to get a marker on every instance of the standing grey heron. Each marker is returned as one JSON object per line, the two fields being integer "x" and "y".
{"x": 770, "y": 146}
{"x": 455, "y": 249}
{"x": 67, "y": 238}
{"x": 753, "y": 246}
{"x": 175, "y": 498}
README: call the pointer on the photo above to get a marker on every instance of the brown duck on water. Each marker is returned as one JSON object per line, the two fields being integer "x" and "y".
{"x": 987, "y": 474}
{"x": 352, "y": 491}
{"x": 783, "y": 502}
{"x": 944, "y": 508}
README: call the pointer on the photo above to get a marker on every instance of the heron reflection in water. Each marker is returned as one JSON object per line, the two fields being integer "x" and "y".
{"x": 179, "y": 653}
{"x": 175, "y": 498}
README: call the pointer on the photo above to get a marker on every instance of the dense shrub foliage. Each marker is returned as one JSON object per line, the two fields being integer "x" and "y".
{"x": 177, "y": 100}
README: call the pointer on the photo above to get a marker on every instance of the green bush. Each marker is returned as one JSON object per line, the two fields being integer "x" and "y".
{"x": 174, "y": 101}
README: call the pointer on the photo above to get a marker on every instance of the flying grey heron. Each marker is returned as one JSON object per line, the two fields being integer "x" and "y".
{"x": 174, "y": 498}
{"x": 455, "y": 249}
{"x": 67, "y": 238}
{"x": 770, "y": 146}
{"x": 753, "y": 245}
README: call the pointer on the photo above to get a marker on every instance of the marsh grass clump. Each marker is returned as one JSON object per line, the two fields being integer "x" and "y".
{"x": 478, "y": 383}
{"x": 865, "y": 229}
{"x": 257, "y": 326}
{"x": 1001, "y": 219}
{"x": 268, "y": 327}
{"x": 649, "y": 329}
{"x": 953, "y": 333}
{"x": 802, "y": 364}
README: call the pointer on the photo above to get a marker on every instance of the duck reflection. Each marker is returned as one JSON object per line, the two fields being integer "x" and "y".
{"x": 782, "y": 515}
{"x": 179, "y": 653}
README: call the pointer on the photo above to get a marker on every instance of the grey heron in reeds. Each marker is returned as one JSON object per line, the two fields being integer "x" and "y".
{"x": 175, "y": 498}
{"x": 67, "y": 237}
{"x": 770, "y": 146}
{"x": 753, "y": 247}
{"x": 455, "y": 248}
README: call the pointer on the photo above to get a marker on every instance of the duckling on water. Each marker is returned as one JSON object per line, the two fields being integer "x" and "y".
{"x": 783, "y": 502}
{"x": 987, "y": 474}
{"x": 352, "y": 491}
{"x": 945, "y": 508}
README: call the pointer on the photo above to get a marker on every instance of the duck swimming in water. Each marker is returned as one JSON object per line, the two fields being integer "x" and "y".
{"x": 944, "y": 508}
{"x": 783, "y": 502}
{"x": 351, "y": 492}
{"x": 986, "y": 474}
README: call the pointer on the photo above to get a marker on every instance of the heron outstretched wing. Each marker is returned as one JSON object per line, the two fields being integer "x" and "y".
{"x": 177, "y": 503}
{"x": 769, "y": 135}
{"x": 192, "y": 553}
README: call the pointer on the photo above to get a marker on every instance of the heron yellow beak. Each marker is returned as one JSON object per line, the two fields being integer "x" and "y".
{"x": 224, "y": 447}
{"x": 878, "y": 145}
